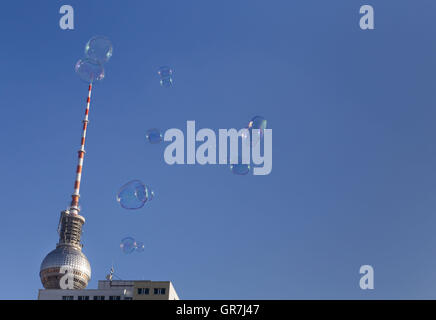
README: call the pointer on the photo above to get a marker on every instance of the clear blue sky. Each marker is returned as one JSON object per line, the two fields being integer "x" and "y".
{"x": 352, "y": 112}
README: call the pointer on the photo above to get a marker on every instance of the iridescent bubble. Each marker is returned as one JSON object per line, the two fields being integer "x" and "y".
{"x": 257, "y": 122}
{"x": 254, "y": 136}
{"x": 149, "y": 193}
{"x": 154, "y": 136}
{"x": 99, "y": 49}
{"x": 245, "y": 136}
{"x": 240, "y": 168}
{"x": 89, "y": 70}
{"x": 166, "y": 76}
{"x": 139, "y": 246}
{"x": 128, "y": 245}
{"x": 132, "y": 195}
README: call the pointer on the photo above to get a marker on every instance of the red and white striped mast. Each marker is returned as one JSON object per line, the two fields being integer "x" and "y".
{"x": 81, "y": 154}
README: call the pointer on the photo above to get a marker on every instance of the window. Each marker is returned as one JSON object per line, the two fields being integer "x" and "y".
{"x": 83, "y": 298}
{"x": 143, "y": 290}
{"x": 114, "y": 297}
{"x": 128, "y": 298}
{"x": 67, "y": 297}
{"x": 159, "y": 290}
{"x": 98, "y": 297}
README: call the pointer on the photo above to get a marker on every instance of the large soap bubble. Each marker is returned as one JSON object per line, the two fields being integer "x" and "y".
{"x": 89, "y": 70}
{"x": 134, "y": 194}
{"x": 99, "y": 49}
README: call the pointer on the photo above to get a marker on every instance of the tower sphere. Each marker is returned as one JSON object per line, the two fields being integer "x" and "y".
{"x": 73, "y": 260}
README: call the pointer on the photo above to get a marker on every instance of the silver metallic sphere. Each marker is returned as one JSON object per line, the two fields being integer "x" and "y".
{"x": 69, "y": 257}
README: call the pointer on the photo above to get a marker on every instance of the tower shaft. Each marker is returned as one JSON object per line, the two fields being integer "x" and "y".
{"x": 81, "y": 154}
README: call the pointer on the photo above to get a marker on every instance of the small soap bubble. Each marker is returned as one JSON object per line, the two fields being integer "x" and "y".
{"x": 258, "y": 123}
{"x": 89, "y": 70}
{"x": 128, "y": 245}
{"x": 240, "y": 169}
{"x": 166, "y": 76}
{"x": 149, "y": 193}
{"x": 139, "y": 246}
{"x": 99, "y": 49}
{"x": 245, "y": 136}
{"x": 154, "y": 136}
{"x": 254, "y": 131}
{"x": 132, "y": 195}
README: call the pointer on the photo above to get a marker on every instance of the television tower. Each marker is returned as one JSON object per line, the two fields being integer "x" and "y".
{"x": 68, "y": 256}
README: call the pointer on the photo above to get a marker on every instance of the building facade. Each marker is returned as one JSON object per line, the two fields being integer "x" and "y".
{"x": 115, "y": 290}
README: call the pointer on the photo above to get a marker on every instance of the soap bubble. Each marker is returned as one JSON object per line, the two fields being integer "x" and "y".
{"x": 166, "y": 76}
{"x": 257, "y": 122}
{"x": 240, "y": 168}
{"x": 245, "y": 136}
{"x": 139, "y": 246}
{"x": 149, "y": 193}
{"x": 89, "y": 70}
{"x": 241, "y": 165}
{"x": 255, "y": 130}
{"x": 132, "y": 195}
{"x": 154, "y": 135}
{"x": 99, "y": 49}
{"x": 128, "y": 245}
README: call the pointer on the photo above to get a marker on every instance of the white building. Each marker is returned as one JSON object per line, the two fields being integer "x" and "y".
{"x": 116, "y": 290}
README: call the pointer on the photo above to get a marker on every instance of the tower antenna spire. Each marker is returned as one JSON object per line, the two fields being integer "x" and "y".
{"x": 81, "y": 154}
